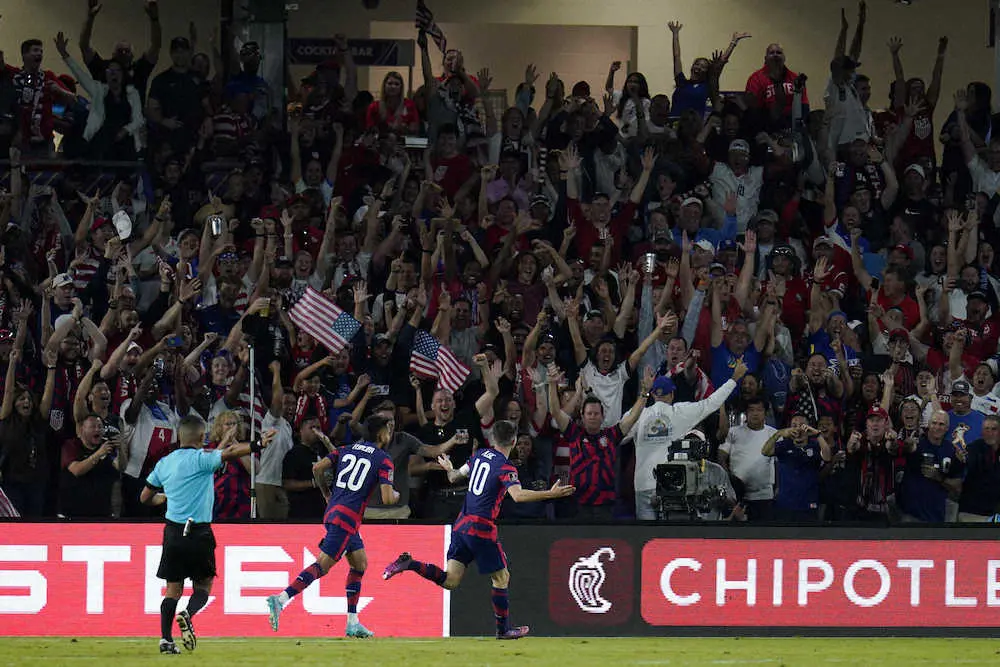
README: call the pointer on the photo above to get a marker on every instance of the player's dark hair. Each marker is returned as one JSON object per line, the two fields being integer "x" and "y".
{"x": 27, "y": 44}
{"x": 504, "y": 433}
{"x": 756, "y": 400}
{"x": 591, "y": 399}
{"x": 375, "y": 425}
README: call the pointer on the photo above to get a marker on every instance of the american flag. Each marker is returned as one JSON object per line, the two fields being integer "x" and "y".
{"x": 425, "y": 22}
{"x": 431, "y": 359}
{"x": 259, "y": 409}
{"x": 324, "y": 320}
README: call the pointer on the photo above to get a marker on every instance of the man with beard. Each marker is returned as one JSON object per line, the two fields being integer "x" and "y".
{"x": 137, "y": 72}
{"x": 772, "y": 89}
{"x": 737, "y": 344}
{"x": 440, "y": 496}
{"x": 965, "y": 424}
{"x": 933, "y": 472}
{"x": 818, "y": 390}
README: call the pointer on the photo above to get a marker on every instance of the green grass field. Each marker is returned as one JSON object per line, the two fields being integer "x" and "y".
{"x": 525, "y": 653}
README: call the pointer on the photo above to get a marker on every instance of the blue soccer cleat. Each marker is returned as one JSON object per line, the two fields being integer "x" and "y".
{"x": 514, "y": 633}
{"x": 273, "y": 611}
{"x": 397, "y": 566}
{"x": 358, "y": 631}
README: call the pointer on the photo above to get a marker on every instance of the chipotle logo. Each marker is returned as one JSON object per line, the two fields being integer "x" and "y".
{"x": 591, "y": 582}
{"x": 812, "y": 583}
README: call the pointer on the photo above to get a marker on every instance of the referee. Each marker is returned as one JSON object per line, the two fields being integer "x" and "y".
{"x": 184, "y": 480}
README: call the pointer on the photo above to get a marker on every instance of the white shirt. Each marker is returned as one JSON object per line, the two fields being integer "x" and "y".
{"x": 747, "y": 188}
{"x": 848, "y": 117}
{"x": 325, "y": 188}
{"x": 754, "y": 469}
{"x": 609, "y": 388}
{"x": 147, "y": 429}
{"x": 984, "y": 179}
{"x": 662, "y": 423}
{"x": 273, "y": 456}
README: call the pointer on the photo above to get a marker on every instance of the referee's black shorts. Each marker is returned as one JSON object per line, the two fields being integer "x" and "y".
{"x": 191, "y": 557}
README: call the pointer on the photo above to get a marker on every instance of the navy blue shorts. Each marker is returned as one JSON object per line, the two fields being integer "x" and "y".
{"x": 488, "y": 554}
{"x": 339, "y": 542}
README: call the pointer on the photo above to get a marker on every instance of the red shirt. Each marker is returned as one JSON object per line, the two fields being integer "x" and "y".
{"x": 592, "y": 463}
{"x": 451, "y": 173}
{"x": 406, "y": 115}
{"x": 587, "y": 234}
{"x": 919, "y": 142}
{"x": 911, "y": 311}
{"x": 794, "y": 306}
{"x": 34, "y": 101}
{"x": 762, "y": 87}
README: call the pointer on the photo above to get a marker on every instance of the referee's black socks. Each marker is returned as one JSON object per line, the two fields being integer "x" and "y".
{"x": 199, "y": 598}
{"x": 168, "y": 608}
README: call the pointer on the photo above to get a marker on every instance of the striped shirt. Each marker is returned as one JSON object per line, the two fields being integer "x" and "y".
{"x": 592, "y": 463}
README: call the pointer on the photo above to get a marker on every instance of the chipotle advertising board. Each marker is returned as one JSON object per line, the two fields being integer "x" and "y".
{"x": 100, "y": 579}
{"x": 633, "y": 580}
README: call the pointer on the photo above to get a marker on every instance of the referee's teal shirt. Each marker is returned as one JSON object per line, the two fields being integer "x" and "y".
{"x": 187, "y": 477}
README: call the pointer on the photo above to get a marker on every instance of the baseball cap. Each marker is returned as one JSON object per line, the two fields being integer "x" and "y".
{"x": 99, "y": 221}
{"x": 739, "y": 146}
{"x": 62, "y": 280}
{"x": 541, "y": 200}
{"x": 916, "y": 168}
{"x": 783, "y": 249}
{"x": 899, "y": 333}
{"x": 662, "y": 386}
{"x": 134, "y": 346}
{"x": 977, "y": 295}
{"x": 877, "y": 411}
{"x": 591, "y": 314}
{"x": 705, "y": 245}
{"x": 283, "y": 262}
{"x": 381, "y": 338}
{"x": 692, "y": 201}
{"x": 716, "y": 266}
{"x": 822, "y": 240}
{"x": 837, "y": 313}
{"x": 250, "y": 49}
{"x": 728, "y": 244}
{"x": 178, "y": 43}
{"x": 580, "y": 89}
{"x": 905, "y": 249}
{"x": 766, "y": 215}
{"x": 961, "y": 387}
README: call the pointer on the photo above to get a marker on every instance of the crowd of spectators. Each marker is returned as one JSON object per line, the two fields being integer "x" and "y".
{"x": 830, "y": 276}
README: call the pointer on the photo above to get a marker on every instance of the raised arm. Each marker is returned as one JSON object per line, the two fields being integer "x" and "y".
{"x": 555, "y": 408}
{"x": 859, "y": 31}
{"x": 934, "y": 89}
{"x": 630, "y": 419}
{"x": 573, "y": 322}
{"x": 675, "y": 30}
{"x": 491, "y": 375}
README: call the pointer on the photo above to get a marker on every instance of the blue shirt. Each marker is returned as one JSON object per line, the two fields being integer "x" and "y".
{"x": 819, "y": 343}
{"x": 724, "y": 361}
{"x": 971, "y": 425}
{"x": 359, "y": 467}
{"x": 187, "y": 477}
{"x": 713, "y": 236}
{"x": 797, "y": 474}
{"x": 923, "y": 498}
{"x": 688, "y": 95}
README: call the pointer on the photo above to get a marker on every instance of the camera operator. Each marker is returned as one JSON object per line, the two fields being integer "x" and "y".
{"x": 712, "y": 497}
{"x": 91, "y": 465}
{"x": 658, "y": 427}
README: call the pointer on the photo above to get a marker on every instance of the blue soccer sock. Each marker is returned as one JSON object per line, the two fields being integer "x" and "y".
{"x": 306, "y": 577}
{"x": 428, "y": 571}
{"x": 501, "y": 609}
{"x": 353, "y": 590}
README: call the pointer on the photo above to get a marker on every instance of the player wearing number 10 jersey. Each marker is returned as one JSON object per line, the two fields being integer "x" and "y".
{"x": 358, "y": 468}
{"x": 474, "y": 535}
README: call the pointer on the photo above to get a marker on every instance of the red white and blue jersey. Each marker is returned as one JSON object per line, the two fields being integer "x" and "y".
{"x": 490, "y": 475}
{"x": 359, "y": 467}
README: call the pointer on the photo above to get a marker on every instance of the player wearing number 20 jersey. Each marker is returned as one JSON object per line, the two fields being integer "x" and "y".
{"x": 357, "y": 469}
{"x": 474, "y": 535}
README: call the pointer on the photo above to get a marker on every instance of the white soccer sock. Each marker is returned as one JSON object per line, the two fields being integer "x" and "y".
{"x": 352, "y": 618}
{"x": 283, "y": 598}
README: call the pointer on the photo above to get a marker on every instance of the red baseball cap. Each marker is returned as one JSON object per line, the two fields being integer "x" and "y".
{"x": 877, "y": 411}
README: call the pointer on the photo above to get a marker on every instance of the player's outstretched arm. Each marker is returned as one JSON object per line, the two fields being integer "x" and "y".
{"x": 151, "y": 497}
{"x": 390, "y": 496}
{"x": 522, "y": 495}
{"x": 453, "y": 475}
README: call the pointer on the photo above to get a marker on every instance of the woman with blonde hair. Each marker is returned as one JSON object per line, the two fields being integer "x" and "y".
{"x": 393, "y": 109}
{"x": 232, "y": 480}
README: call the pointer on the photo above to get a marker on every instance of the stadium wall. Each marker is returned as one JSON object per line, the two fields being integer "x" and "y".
{"x": 56, "y": 579}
